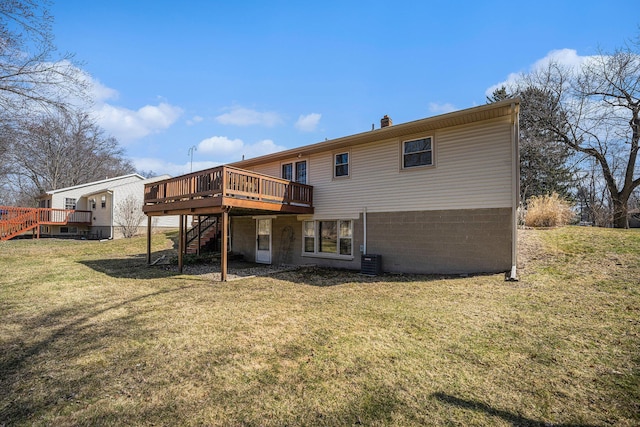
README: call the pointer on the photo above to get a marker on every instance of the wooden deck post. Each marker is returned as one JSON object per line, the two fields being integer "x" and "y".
{"x": 181, "y": 244}
{"x": 199, "y": 234}
{"x": 223, "y": 246}
{"x": 148, "y": 240}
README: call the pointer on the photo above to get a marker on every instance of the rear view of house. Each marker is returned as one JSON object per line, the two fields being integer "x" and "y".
{"x": 436, "y": 195}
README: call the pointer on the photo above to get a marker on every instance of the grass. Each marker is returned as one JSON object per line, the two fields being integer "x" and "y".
{"x": 91, "y": 336}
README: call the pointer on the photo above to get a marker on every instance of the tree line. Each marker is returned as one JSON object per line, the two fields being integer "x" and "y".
{"x": 48, "y": 138}
{"x": 579, "y": 134}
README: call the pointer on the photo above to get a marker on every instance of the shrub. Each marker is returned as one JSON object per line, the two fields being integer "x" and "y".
{"x": 548, "y": 211}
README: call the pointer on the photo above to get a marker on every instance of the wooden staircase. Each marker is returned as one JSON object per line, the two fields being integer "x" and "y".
{"x": 15, "y": 221}
{"x": 208, "y": 229}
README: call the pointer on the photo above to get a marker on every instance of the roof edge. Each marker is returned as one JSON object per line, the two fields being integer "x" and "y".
{"x": 377, "y": 134}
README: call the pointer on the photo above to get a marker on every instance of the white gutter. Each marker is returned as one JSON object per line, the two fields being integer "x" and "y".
{"x": 112, "y": 213}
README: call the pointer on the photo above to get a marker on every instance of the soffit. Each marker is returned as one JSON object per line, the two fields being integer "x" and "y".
{"x": 457, "y": 118}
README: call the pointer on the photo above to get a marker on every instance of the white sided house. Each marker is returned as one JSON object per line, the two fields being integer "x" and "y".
{"x": 105, "y": 201}
{"x": 436, "y": 195}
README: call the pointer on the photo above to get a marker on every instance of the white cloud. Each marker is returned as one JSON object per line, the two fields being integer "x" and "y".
{"x": 227, "y": 150}
{"x": 436, "y": 108}
{"x": 127, "y": 125}
{"x": 564, "y": 57}
{"x": 220, "y": 145}
{"x": 161, "y": 167}
{"x": 123, "y": 123}
{"x": 101, "y": 92}
{"x": 309, "y": 122}
{"x": 239, "y": 116}
{"x": 260, "y": 148}
{"x": 195, "y": 119}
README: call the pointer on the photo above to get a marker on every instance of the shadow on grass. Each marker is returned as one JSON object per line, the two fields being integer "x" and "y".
{"x": 133, "y": 267}
{"x": 322, "y": 276}
{"x": 514, "y": 419}
{"x": 32, "y": 361}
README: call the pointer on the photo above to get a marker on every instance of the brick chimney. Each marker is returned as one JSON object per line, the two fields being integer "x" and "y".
{"x": 386, "y": 122}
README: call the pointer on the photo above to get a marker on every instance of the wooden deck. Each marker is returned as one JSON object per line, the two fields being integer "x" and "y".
{"x": 15, "y": 221}
{"x": 229, "y": 189}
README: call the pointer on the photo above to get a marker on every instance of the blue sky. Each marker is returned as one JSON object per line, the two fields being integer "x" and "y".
{"x": 248, "y": 78}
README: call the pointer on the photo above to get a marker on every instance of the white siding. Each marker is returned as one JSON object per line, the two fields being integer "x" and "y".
{"x": 121, "y": 192}
{"x": 472, "y": 171}
{"x": 57, "y": 199}
{"x": 101, "y": 216}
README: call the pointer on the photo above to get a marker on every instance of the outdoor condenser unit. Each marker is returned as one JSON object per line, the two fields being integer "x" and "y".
{"x": 371, "y": 265}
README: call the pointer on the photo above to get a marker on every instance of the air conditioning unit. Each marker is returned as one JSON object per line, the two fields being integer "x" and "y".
{"x": 371, "y": 265}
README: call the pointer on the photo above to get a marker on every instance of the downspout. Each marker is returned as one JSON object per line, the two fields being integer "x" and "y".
{"x": 515, "y": 189}
{"x": 112, "y": 213}
{"x": 364, "y": 234}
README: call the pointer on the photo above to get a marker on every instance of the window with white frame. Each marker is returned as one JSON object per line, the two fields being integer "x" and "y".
{"x": 103, "y": 202}
{"x": 332, "y": 237}
{"x": 92, "y": 202}
{"x": 417, "y": 152}
{"x": 295, "y": 171}
{"x": 69, "y": 203}
{"x": 341, "y": 165}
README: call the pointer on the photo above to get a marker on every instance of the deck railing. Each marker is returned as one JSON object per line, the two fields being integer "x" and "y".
{"x": 17, "y": 220}
{"x": 227, "y": 181}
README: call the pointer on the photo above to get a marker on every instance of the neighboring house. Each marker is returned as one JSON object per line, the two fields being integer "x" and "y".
{"x": 101, "y": 199}
{"x": 437, "y": 195}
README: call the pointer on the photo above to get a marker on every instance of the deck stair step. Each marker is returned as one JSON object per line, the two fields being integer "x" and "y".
{"x": 208, "y": 232}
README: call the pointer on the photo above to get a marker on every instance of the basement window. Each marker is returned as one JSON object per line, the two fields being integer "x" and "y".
{"x": 332, "y": 238}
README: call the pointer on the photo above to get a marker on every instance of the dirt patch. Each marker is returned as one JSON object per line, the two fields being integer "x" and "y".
{"x": 236, "y": 269}
{"x": 530, "y": 249}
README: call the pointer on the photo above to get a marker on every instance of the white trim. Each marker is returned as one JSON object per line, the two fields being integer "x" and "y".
{"x": 328, "y": 256}
{"x": 433, "y": 153}
{"x": 75, "y": 187}
{"x": 334, "y": 165}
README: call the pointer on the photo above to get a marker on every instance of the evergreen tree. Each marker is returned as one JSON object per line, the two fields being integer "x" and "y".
{"x": 544, "y": 160}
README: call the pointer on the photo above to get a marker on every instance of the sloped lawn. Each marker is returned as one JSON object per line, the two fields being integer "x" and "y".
{"x": 91, "y": 336}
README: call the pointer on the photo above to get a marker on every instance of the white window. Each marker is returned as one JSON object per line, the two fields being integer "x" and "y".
{"x": 309, "y": 236}
{"x": 92, "y": 202}
{"x": 295, "y": 171}
{"x": 103, "y": 202}
{"x": 334, "y": 237}
{"x": 341, "y": 165}
{"x": 417, "y": 152}
{"x": 69, "y": 203}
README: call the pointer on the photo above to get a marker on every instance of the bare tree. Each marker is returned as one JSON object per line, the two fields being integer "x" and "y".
{"x": 32, "y": 76}
{"x": 128, "y": 215}
{"x": 63, "y": 150}
{"x": 596, "y": 112}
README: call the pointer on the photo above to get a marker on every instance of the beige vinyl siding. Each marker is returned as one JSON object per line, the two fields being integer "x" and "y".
{"x": 472, "y": 171}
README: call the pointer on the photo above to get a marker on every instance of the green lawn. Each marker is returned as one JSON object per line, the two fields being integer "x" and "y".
{"x": 91, "y": 336}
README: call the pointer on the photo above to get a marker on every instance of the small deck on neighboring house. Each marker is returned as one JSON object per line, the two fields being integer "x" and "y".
{"x": 222, "y": 191}
{"x": 15, "y": 221}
